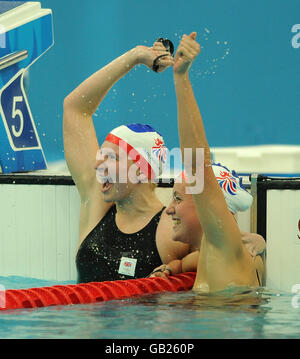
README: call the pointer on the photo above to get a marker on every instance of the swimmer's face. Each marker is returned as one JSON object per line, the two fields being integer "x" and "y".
{"x": 186, "y": 225}
{"x": 115, "y": 172}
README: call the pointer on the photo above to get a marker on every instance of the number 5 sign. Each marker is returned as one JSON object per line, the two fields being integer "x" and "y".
{"x": 26, "y": 31}
{"x": 20, "y": 129}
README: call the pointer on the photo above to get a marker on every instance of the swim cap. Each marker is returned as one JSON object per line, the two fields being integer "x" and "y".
{"x": 238, "y": 199}
{"x": 143, "y": 145}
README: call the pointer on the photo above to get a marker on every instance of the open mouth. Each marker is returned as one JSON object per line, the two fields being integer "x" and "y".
{"x": 106, "y": 186}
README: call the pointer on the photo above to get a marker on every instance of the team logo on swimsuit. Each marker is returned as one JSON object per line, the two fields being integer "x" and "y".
{"x": 227, "y": 182}
{"x": 160, "y": 150}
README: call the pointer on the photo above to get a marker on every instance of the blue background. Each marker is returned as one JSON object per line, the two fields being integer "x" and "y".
{"x": 246, "y": 78}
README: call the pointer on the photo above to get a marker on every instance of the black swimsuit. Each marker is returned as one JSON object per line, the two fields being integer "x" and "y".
{"x": 99, "y": 255}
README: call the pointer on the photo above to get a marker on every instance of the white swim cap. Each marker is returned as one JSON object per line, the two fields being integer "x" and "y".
{"x": 143, "y": 145}
{"x": 238, "y": 199}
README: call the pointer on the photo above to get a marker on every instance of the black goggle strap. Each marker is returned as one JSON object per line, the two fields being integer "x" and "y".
{"x": 169, "y": 47}
{"x": 155, "y": 66}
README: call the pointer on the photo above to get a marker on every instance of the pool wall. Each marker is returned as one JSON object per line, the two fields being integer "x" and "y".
{"x": 40, "y": 216}
{"x": 39, "y": 225}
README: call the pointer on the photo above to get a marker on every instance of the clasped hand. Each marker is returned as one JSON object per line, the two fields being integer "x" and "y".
{"x": 186, "y": 53}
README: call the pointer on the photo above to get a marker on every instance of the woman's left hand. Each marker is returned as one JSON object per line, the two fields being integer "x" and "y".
{"x": 161, "y": 271}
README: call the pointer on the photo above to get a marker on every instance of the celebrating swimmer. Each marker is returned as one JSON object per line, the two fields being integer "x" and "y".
{"x": 123, "y": 230}
{"x": 237, "y": 200}
{"x": 223, "y": 259}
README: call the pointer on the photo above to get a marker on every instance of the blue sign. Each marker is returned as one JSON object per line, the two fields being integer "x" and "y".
{"x": 16, "y": 115}
{"x": 20, "y": 147}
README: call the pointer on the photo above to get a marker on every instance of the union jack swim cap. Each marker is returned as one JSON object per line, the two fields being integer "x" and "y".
{"x": 144, "y": 146}
{"x": 238, "y": 199}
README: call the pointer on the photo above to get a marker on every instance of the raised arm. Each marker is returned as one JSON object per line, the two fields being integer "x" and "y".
{"x": 218, "y": 224}
{"x": 80, "y": 141}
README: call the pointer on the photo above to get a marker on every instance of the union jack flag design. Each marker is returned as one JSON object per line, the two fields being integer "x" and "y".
{"x": 227, "y": 182}
{"x": 160, "y": 150}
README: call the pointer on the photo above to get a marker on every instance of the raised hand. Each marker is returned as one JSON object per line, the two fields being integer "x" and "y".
{"x": 186, "y": 53}
{"x": 147, "y": 56}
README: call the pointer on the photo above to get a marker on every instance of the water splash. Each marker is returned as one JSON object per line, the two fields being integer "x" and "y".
{"x": 213, "y": 53}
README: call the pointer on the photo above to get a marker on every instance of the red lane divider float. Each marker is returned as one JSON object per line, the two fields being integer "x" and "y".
{"x": 95, "y": 291}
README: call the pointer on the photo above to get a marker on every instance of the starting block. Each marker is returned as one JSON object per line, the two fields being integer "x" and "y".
{"x": 26, "y": 33}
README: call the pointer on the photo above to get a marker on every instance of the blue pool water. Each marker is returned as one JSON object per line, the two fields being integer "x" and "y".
{"x": 183, "y": 315}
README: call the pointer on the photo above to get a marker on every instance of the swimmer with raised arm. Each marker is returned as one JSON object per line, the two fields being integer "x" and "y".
{"x": 182, "y": 210}
{"x": 223, "y": 259}
{"x": 123, "y": 230}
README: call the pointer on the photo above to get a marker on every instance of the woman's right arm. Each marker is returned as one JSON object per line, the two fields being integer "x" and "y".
{"x": 80, "y": 140}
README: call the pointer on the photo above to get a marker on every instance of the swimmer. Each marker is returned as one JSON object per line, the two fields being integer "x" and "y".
{"x": 223, "y": 259}
{"x": 237, "y": 200}
{"x": 124, "y": 231}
